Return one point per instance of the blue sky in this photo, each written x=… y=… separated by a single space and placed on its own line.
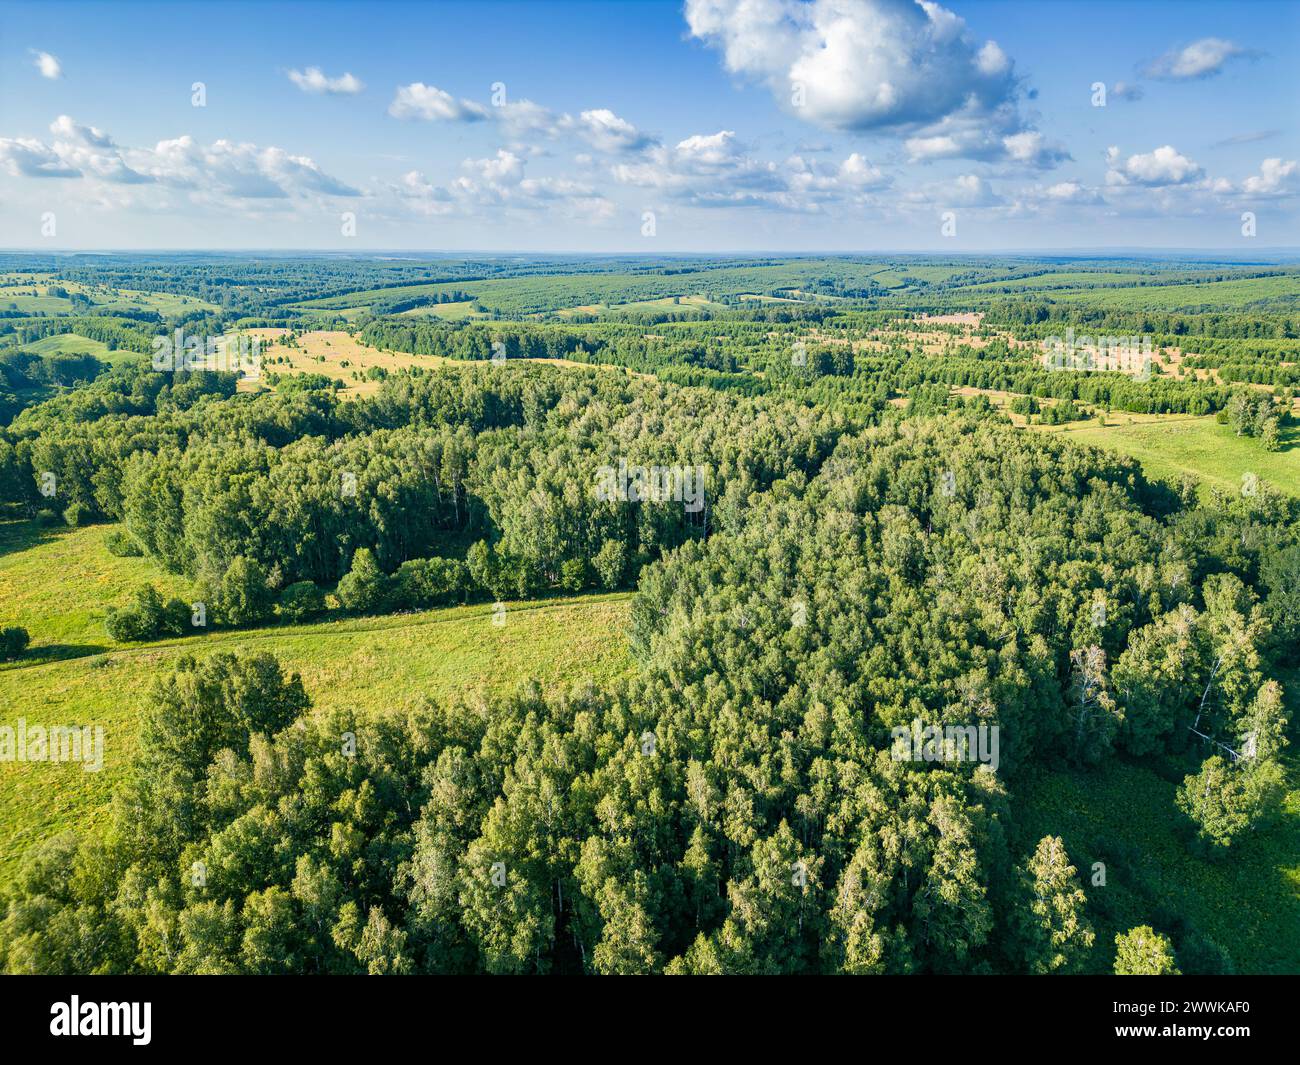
x=710 y=125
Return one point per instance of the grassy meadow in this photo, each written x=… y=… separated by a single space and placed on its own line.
x=58 y=583
x=1171 y=445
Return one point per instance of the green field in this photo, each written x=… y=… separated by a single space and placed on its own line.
x=451 y=312
x=68 y=344
x=58 y=583
x=1280 y=292
x=1174 y=444
x=17 y=295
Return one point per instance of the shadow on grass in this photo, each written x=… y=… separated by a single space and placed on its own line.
x=23 y=534
x=54 y=652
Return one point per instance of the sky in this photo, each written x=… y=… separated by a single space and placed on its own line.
x=651 y=126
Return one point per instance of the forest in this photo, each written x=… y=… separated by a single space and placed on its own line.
x=895 y=542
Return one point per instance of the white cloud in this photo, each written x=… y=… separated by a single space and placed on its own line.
x=606 y=132
x=65 y=126
x=314 y=80
x=224 y=170
x=717 y=170
x=971 y=190
x=26 y=157
x=922 y=149
x=858 y=172
x=861 y=64
x=1164 y=166
x=48 y=65
x=1071 y=192
x=1271 y=179
x=1127 y=90
x=418 y=100
x=1200 y=59
x=1028 y=147
x=501 y=181
x=598 y=127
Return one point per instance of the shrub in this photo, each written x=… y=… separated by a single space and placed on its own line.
x=77 y=514
x=301 y=600
x=364 y=588
x=424 y=582
x=122 y=544
x=147 y=617
x=13 y=642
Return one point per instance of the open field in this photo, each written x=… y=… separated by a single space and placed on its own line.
x=68 y=344
x=334 y=353
x=1170 y=445
x=33 y=296
x=61 y=584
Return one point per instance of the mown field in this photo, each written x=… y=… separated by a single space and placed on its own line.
x=58 y=583
x=1170 y=445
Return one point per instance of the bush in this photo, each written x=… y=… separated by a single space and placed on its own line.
x=425 y=582
x=573 y=574
x=301 y=600
x=147 y=617
x=13 y=642
x=611 y=563
x=365 y=588
x=122 y=544
x=77 y=514
x=244 y=596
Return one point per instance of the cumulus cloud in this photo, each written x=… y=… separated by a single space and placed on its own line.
x=712 y=169
x=718 y=170
x=902 y=67
x=1200 y=59
x=1164 y=166
x=501 y=181
x=1028 y=147
x=1271 y=179
x=857 y=172
x=27 y=157
x=857 y=64
x=427 y=102
x=222 y=170
x=606 y=132
x=599 y=127
x=314 y=80
x=48 y=65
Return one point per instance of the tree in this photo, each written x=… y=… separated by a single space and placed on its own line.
x=1053 y=932
x=611 y=563
x=1226 y=799
x=244 y=596
x=1143 y=951
x=365 y=587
